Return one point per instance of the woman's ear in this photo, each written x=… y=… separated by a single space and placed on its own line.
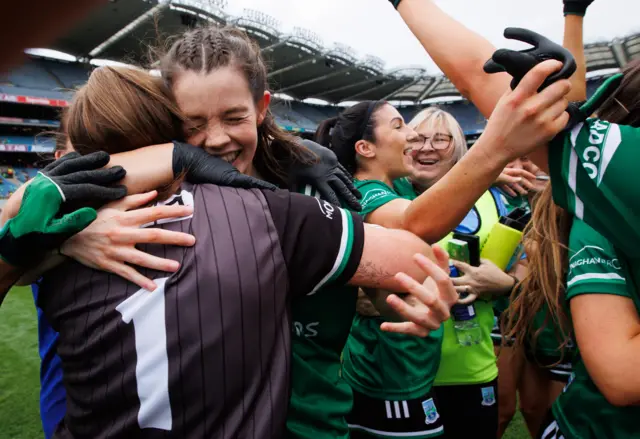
x=262 y=106
x=365 y=149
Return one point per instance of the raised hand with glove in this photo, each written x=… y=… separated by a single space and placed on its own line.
x=519 y=63
x=38 y=228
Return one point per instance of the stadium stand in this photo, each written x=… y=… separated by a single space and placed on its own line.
x=301 y=67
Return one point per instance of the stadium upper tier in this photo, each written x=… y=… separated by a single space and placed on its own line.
x=301 y=65
x=45 y=83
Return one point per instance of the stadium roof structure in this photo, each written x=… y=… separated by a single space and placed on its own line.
x=301 y=65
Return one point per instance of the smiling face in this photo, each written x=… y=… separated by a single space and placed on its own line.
x=221 y=114
x=429 y=164
x=392 y=139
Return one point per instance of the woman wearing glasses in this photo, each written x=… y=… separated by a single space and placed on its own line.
x=392 y=375
x=466 y=382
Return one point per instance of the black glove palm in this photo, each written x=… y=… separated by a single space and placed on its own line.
x=518 y=63
x=201 y=167
x=328 y=176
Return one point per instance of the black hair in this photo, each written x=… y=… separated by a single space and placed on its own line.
x=341 y=133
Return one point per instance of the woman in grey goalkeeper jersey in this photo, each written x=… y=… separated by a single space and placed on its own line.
x=299 y=230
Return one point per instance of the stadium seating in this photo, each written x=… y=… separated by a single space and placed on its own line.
x=31 y=75
x=47 y=75
x=70 y=75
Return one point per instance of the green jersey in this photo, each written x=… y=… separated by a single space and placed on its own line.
x=467 y=364
x=546 y=340
x=582 y=411
x=593 y=172
x=380 y=364
x=320 y=397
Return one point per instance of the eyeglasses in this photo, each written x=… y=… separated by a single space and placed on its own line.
x=438 y=141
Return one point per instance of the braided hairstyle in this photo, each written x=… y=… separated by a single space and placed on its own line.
x=205 y=49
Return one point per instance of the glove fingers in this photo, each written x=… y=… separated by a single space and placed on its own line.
x=103 y=176
x=89 y=191
x=77 y=163
x=346 y=195
x=491 y=67
x=517 y=64
x=248 y=182
x=569 y=67
x=73 y=222
x=326 y=193
x=524 y=35
x=70 y=156
x=348 y=182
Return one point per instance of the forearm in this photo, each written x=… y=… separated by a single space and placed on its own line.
x=12 y=206
x=9 y=275
x=618 y=379
x=432 y=219
x=458 y=51
x=147 y=168
x=387 y=252
x=574 y=42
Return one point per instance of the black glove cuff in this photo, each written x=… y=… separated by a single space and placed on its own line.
x=177 y=163
x=575 y=8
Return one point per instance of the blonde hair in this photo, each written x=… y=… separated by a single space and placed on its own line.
x=545 y=242
x=436 y=117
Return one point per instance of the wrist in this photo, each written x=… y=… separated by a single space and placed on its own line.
x=491 y=154
x=513 y=281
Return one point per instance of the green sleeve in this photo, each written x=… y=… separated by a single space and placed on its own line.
x=594 y=175
x=404 y=188
x=594 y=267
x=375 y=194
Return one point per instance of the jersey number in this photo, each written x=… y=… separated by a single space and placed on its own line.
x=146 y=310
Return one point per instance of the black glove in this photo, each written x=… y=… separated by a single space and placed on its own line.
x=201 y=167
x=81 y=177
x=328 y=176
x=518 y=63
x=39 y=226
x=576 y=7
x=395 y=3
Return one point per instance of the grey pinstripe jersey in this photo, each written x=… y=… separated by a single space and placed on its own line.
x=207 y=354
